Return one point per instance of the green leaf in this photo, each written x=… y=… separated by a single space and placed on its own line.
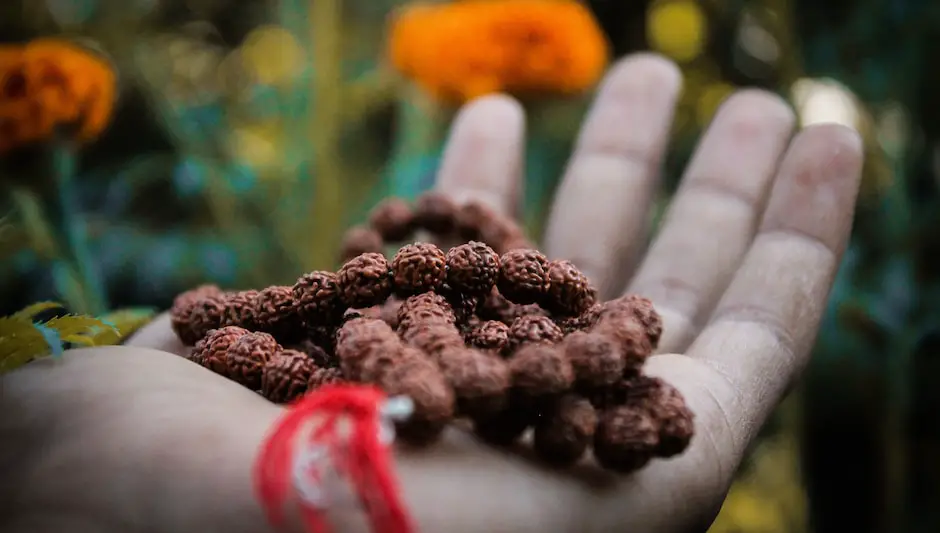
x=29 y=312
x=79 y=328
x=20 y=343
x=127 y=321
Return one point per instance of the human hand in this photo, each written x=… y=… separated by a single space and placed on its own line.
x=136 y=439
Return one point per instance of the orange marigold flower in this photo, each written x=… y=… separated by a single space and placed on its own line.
x=47 y=84
x=458 y=51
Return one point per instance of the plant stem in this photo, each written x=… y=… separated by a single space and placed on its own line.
x=69 y=227
x=325 y=21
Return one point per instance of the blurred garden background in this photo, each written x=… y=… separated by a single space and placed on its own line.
x=233 y=141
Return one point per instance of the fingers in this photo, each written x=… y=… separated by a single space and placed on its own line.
x=484 y=155
x=714 y=214
x=762 y=330
x=608 y=187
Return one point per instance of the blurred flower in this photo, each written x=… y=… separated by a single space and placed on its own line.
x=273 y=55
x=48 y=84
x=462 y=50
x=677 y=29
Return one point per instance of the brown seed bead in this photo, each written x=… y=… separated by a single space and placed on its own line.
x=324 y=337
x=276 y=313
x=418 y=268
x=597 y=359
x=416 y=376
x=393 y=219
x=240 y=309
x=197 y=293
x=389 y=311
x=676 y=422
x=205 y=314
x=359 y=342
x=364 y=281
x=285 y=376
x=530 y=329
x=508 y=425
x=541 y=369
x=181 y=312
x=248 y=355
x=523 y=276
x=470 y=218
x=640 y=308
x=626 y=438
x=315 y=352
x=633 y=340
x=435 y=212
x=472 y=268
x=562 y=437
x=569 y=291
x=316 y=297
x=490 y=335
x=210 y=350
x=480 y=380
x=503 y=235
x=324 y=376
x=434 y=338
x=582 y=322
x=428 y=299
x=496 y=307
x=360 y=240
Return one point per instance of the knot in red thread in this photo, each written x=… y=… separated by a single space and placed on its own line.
x=341 y=429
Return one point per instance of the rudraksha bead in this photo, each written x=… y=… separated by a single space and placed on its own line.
x=360 y=240
x=667 y=405
x=529 y=329
x=246 y=358
x=204 y=314
x=361 y=340
x=641 y=309
x=541 y=369
x=433 y=338
x=480 y=380
x=582 y=322
x=210 y=351
x=435 y=212
x=491 y=336
x=418 y=268
x=523 y=276
x=569 y=291
x=414 y=375
x=597 y=359
x=276 y=313
x=365 y=281
x=507 y=426
x=324 y=376
x=393 y=219
x=285 y=376
x=470 y=217
x=632 y=337
x=240 y=309
x=566 y=431
x=472 y=268
x=317 y=298
x=626 y=438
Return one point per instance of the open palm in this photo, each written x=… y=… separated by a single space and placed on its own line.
x=740 y=270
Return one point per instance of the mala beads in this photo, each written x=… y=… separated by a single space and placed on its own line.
x=509 y=340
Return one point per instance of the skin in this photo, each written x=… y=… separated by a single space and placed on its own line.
x=136 y=439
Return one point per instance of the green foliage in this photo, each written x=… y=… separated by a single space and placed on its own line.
x=23 y=338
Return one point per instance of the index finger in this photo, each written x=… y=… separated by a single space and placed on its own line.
x=761 y=332
x=483 y=157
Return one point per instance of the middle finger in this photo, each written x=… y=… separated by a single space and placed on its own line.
x=714 y=215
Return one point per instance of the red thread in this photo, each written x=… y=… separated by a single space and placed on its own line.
x=361 y=457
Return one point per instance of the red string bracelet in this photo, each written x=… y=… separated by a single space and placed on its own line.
x=338 y=432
